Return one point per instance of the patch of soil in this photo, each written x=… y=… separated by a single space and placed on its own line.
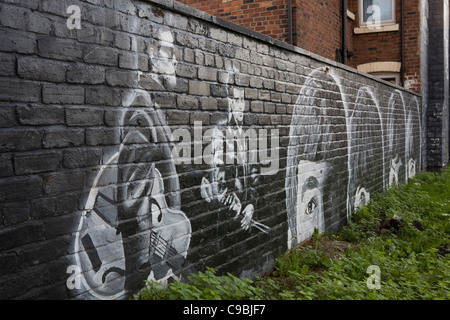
x=332 y=248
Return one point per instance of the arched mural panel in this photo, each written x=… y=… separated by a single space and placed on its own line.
x=366 y=141
x=395 y=151
x=317 y=151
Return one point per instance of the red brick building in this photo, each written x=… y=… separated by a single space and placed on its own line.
x=382 y=36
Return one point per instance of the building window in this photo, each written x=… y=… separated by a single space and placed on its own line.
x=376 y=13
x=386 y=70
x=391 y=77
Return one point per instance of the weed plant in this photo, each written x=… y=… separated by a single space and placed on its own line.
x=404 y=231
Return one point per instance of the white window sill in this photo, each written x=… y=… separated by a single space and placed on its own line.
x=363 y=30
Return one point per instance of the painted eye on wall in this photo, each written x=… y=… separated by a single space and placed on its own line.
x=311 y=206
x=363 y=198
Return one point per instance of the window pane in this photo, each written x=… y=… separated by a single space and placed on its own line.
x=391 y=80
x=380 y=8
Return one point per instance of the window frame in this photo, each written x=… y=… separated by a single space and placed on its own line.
x=385 y=75
x=392 y=21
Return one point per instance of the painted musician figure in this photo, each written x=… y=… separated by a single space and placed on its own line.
x=233 y=188
x=132 y=228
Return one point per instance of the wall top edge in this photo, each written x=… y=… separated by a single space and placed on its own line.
x=198 y=14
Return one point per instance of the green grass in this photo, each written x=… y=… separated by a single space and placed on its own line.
x=404 y=231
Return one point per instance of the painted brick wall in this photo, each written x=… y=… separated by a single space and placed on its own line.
x=122 y=151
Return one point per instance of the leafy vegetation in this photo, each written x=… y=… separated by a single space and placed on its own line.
x=404 y=231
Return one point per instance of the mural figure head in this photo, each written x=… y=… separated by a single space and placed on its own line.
x=413 y=143
x=318 y=127
x=232 y=188
x=311 y=177
x=366 y=143
x=395 y=130
x=162 y=58
x=236 y=107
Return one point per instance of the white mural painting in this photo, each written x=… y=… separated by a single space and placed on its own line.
x=413 y=141
x=311 y=177
x=318 y=122
x=395 y=130
x=234 y=187
x=132 y=227
x=366 y=144
x=390 y=144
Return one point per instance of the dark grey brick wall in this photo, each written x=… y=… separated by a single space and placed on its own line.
x=111 y=161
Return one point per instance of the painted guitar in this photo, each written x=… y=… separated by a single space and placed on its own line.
x=128 y=232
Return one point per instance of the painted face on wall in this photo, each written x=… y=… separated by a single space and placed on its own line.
x=164 y=61
x=218 y=148
x=311 y=178
x=411 y=168
x=233 y=188
x=362 y=197
x=396 y=134
x=318 y=125
x=365 y=132
x=237 y=106
x=413 y=138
